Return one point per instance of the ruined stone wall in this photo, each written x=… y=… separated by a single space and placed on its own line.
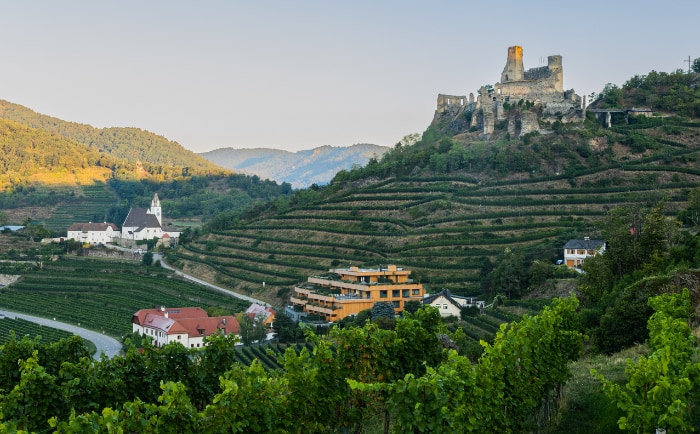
x=449 y=101
x=542 y=86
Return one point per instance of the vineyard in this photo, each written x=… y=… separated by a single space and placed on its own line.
x=90 y=204
x=23 y=327
x=444 y=227
x=103 y=295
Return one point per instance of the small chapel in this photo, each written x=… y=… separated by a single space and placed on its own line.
x=147 y=223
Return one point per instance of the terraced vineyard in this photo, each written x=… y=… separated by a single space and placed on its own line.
x=103 y=295
x=23 y=327
x=445 y=227
x=89 y=205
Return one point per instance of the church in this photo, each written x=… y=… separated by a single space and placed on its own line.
x=147 y=223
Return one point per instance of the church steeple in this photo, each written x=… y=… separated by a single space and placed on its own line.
x=155 y=208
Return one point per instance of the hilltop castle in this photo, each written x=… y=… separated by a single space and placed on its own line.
x=539 y=90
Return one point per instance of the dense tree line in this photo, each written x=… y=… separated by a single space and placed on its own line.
x=647 y=254
x=401 y=378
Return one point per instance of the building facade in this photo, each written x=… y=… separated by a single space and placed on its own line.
x=348 y=291
x=185 y=325
x=576 y=251
x=93 y=233
x=147 y=223
x=451 y=305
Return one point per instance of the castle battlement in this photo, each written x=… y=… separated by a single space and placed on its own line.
x=542 y=87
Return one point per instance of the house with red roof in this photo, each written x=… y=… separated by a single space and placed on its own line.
x=185 y=325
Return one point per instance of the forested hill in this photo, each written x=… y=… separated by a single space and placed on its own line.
x=466 y=213
x=129 y=144
x=30 y=155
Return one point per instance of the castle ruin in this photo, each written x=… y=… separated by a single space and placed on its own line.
x=538 y=93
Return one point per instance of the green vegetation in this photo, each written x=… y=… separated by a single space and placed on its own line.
x=103 y=295
x=21 y=327
x=401 y=379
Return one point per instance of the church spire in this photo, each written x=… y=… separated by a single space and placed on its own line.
x=155 y=208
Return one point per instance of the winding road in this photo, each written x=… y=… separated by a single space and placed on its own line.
x=105 y=344
x=108 y=345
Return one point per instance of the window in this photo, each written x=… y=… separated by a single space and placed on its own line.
x=405 y=293
x=415 y=291
x=444 y=306
x=382 y=294
x=395 y=293
x=396 y=304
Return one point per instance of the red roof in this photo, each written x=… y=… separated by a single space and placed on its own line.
x=191 y=320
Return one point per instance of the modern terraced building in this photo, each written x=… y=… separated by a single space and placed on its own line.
x=347 y=291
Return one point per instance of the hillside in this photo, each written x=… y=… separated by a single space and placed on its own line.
x=301 y=169
x=128 y=144
x=457 y=208
x=57 y=173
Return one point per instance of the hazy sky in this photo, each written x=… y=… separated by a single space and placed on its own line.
x=300 y=74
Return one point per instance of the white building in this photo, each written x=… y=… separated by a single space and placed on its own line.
x=146 y=223
x=185 y=325
x=576 y=251
x=451 y=305
x=93 y=233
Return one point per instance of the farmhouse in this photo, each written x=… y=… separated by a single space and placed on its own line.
x=576 y=251
x=93 y=233
x=451 y=305
x=347 y=291
x=146 y=223
x=185 y=325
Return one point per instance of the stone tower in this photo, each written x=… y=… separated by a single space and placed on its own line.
x=514 y=70
x=155 y=208
x=557 y=71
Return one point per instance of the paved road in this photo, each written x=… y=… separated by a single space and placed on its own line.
x=105 y=344
x=159 y=257
x=110 y=346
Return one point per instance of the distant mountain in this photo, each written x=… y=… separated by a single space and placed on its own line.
x=132 y=145
x=302 y=168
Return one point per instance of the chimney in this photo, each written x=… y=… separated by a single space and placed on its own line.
x=586 y=238
x=166 y=314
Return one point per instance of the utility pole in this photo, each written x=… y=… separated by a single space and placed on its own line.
x=689 y=64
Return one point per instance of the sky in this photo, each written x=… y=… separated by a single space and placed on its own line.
x=301 y=74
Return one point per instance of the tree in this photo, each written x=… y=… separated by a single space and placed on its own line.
x=412 y=306
x=147 y=259
x=695 y=67
x=252 y=328
x=382 y=309
x=659 y=388
x=510 y=275
x=286 y=329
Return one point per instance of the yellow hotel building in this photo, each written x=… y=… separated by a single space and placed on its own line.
x=347 y=291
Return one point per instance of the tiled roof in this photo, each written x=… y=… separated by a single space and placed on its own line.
x=190 y=320
x=140 y=219
x=444 y=293
x=258 y=309
x=92 y=227
x=584 y=244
